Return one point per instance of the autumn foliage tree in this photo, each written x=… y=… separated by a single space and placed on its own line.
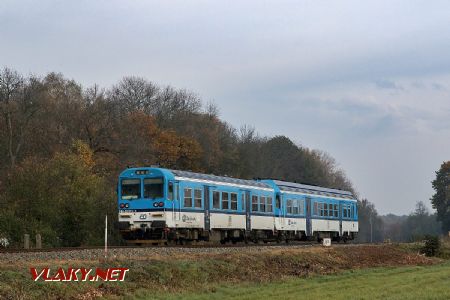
x=60 y=198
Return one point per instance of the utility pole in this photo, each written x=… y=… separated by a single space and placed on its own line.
x=371 y=229
x=106 y=236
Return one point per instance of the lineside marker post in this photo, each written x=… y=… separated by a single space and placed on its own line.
x=26 y=241
x=106 y=236
x=38 y=241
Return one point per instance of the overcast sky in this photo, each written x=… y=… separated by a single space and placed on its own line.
x=366 y=81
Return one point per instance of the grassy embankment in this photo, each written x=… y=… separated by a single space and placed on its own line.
x=250 y=272
x=420 y=282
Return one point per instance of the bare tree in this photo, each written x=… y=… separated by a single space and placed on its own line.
x=247 y=134
x=17 y=106
x=212 y=110
x=134 y=93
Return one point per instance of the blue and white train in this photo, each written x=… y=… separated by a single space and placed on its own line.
x=157 y=204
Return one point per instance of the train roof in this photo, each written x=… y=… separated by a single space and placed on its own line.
x=221 y=179
x=266 y=184
x=311 y=189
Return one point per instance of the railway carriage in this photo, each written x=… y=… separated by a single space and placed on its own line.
x=157 y=204
x=316 y=211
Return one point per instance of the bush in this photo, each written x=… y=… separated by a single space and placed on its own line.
x=61 y=198
x=432 y=246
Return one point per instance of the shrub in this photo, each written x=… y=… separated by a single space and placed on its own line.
x=432 y=245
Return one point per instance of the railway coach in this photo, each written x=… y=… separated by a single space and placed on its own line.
x=173 y=206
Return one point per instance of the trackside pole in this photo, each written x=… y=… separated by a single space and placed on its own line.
x=106 y=236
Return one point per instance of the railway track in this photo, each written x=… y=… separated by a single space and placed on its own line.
x=150 y=246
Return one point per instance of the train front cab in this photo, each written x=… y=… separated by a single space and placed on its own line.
x=143 y=195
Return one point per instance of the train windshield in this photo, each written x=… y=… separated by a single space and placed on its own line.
x=131 y=189
x=153 y=187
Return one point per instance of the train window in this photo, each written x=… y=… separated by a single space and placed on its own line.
x=295 y=207
x=315 y=209
x=170 y=191
x=198 y=198
x=269 y=206
x=301 y=207
x=289 y=206
x=187 y=197
x=233 y=201
x=216 y=199
x=153 y=187
x=325 y=210
x=344 y=211
x=254 y=203
x=262 y=203
x=131 y=189
x=321 y=209
x=336 y=210
x=225 y=203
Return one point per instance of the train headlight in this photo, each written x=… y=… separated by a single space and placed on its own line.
x=143 y=217
x=127 y=205
x=161 y=204
x=122 y=205
x=155 y=204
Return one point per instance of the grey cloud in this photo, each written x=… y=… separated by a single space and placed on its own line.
x=437 y=86
x=433 y=85
x=387 y=84
x=418 y=85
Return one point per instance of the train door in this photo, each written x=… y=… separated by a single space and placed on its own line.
x=207 y=206
x=246 y=206
x=340 y=218
x=308 y=217
x=176 y=207
x=278 y=209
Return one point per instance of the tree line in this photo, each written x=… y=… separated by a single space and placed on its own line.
x=63 y=145
x=405 y=228
x=415 y=226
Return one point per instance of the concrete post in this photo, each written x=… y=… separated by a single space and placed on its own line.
x=38 y=241
x=26 y=241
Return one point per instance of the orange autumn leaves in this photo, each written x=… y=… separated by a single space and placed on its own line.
x=165 y=147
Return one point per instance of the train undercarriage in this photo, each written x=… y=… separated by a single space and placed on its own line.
x=159 y=234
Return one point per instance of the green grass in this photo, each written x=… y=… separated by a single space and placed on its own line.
x=290 y=274
x=430 y=282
